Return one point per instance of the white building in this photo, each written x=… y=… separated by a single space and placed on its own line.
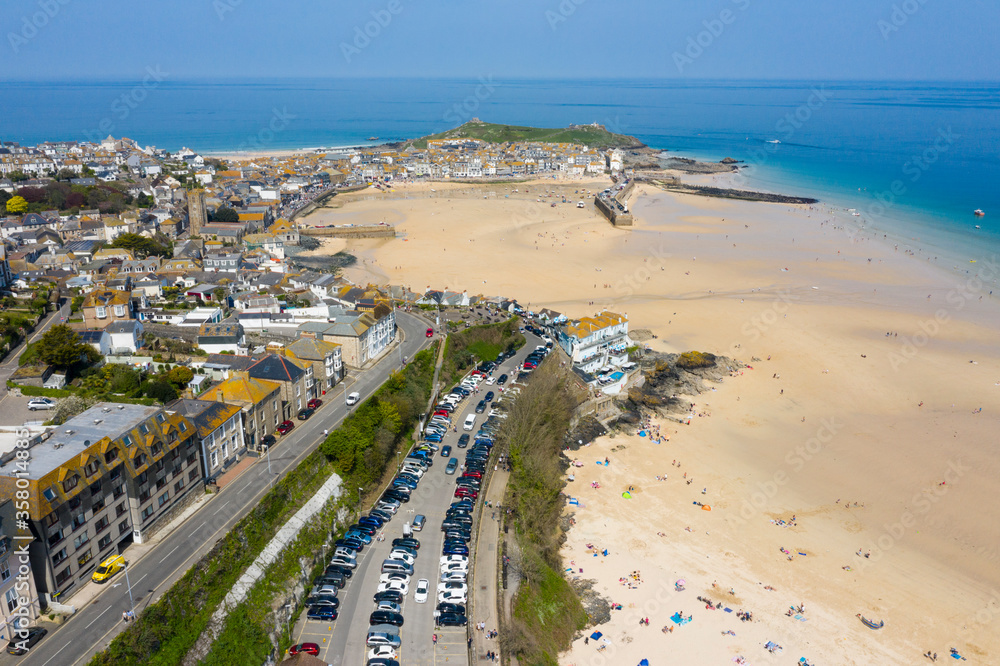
x=595 y=342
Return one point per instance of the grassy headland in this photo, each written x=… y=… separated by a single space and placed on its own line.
x=595 y=136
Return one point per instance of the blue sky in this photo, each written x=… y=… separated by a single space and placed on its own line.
x=739 y=39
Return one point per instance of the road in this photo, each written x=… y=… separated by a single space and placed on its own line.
x=342 y=643
x=10 y=362
x=91 y=629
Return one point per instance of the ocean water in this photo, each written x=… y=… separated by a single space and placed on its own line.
x=914 y=158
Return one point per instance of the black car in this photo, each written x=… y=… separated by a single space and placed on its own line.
x=463 y=441
x=481 y=407
x=324 y=613
x=409 y=542
x=356 y=544
x=323 y=600
x=502 y=379
x=337 y=580
x=457 y=537
x=451 y=620
x=21 y=644
x=489 y=396
x=385 y=516
x=393 y=494
x=451 y=608
x=268 y=440
x=386 y=617
x=445 y=451
x=366 y=529
x=379 y=661
x=389 y=595
x=305 y=413
x=337 y=570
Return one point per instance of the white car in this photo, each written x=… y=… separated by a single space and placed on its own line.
x=353 y=398
x=420 y=594
x=401 y=586
x=447 y=559
x=455 y=567
x=41 y=403
x=389 y=577
x=491 y=381
x=415 y=470
x=451 y=597
x=470 y=422
x=461 y=588
x=382 y=652
x=454 y=576
x=390 y=606
x=402 y=556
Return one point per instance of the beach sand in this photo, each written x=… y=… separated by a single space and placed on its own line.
x=832 y=409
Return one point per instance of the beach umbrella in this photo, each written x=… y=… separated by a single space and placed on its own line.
x=681 y=581
x=644 y=662
x=596 y=635
x=627 y=495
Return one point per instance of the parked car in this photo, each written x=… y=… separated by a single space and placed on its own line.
x=445 y=451
x=41 y=403
x=308 y=648
x=108 y=568
x=22 y=644
x=353 y=398
x=418 y=522
x=463 y=441
x=408 y=542
x=314 y=403
x=452 y=620
x=452 y=466
x=305 y=413
x=429 y=333
x=389 y=595
x=386 y=617
x=285 y=427
x=420 y=594
x=322 y=613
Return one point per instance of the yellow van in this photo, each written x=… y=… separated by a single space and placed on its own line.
x=109 y=568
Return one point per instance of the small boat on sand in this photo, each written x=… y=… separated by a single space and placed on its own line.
x=871 y=624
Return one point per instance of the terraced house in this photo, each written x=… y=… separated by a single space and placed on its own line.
x=259 y=400
x=101 y=481
x=327 y=363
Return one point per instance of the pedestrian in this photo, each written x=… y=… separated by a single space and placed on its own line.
x=470 y=642
x=125 y=617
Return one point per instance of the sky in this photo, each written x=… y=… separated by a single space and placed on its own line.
x=715 y=39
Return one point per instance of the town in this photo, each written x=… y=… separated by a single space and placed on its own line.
x=171 y=328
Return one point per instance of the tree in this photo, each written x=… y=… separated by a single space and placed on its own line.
x=140 y=245
x=225 y=214
x=180 y=376
x=60 y=346
x=161 y=391
x=17 y=176
x=65 y=174
x=17 y=205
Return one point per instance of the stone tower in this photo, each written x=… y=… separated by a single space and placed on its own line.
x=197 y=215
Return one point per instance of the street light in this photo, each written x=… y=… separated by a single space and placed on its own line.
x=131 y=601
x=288 y=617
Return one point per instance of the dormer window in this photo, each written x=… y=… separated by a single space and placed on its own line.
x=92 y=468
x=139 y=460
x=70 y=483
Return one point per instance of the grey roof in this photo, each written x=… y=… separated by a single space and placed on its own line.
x=123 y=326
x=276 y=368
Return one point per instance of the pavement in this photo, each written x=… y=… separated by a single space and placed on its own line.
x=343 y=642
x=152 y=570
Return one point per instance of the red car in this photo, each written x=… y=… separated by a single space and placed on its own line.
x=285 y=427
x=465 y=492
x=430 y=332
x=474 y=474
x=308 y=648
x=529 y=366
x=314 y=403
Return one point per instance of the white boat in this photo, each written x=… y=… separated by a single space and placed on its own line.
x=773 y=141
x=978 y=212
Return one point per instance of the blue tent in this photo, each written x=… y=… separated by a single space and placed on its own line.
x=596 y=635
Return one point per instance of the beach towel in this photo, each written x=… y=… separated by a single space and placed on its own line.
x=801 y=553
x=605 y=553
x=955 y=655
x=800 y=618
x=574 y=501
x=676 y=617
x=642 y=433
x=728 y=610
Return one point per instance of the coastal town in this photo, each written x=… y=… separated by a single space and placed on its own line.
x=179 y=273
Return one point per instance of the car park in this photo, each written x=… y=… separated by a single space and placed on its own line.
x=285 y=427
x=381 y=652
x=454 y=577
x=408 y=542
x=305 y=413
x=389 y=595
x=445 y=451
x=481 y=407
x=470 y=422
x=400 y=586
x=391 y=606
x=420 y=594
x=418 y=522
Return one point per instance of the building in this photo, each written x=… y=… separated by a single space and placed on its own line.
x=14 y=588
x=197 y=215
x=220 y=432
x=126 y=336
x=259 y=400
x=102 y=480
x=296 y=381
x=595 y=342
x=215 y=338
x=363 y=336
x=326 y=359
x=102 y=307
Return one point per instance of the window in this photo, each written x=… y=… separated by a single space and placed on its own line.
x=59 y=557
x=144 y=496
x=116 y=472
x=4 y=570
x=139 y=460
x=160 y=483
x=95 y=488
x=55 y=537
x=83 y=538
x=175 y=454
x=79 y=520
x=63 y=575
x=162 y=499
x=120 y=509
x=159 y=465
x=191 y=458
x=178 y=487
x=52 y=519
x=147 y=512
x=119 y=490
x=75 y=503
x=183 y=427
x=98 y=505
x=225 y=451
x=92 y=468
x=70 y=483
x=192 y=475
x=11 y=597
x=123 y=527
x=101 y=524
x=215 y=459
x=111 y=456
x=102 y=312
x=143 y=428
x=157 y=449
x=119 y=310
x=127 y=440
x=104 y=542
x=84 y=558
x=160 y=418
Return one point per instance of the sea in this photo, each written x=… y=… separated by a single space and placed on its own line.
x=913 y=159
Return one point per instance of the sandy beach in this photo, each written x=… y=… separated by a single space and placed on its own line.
x=872 y=378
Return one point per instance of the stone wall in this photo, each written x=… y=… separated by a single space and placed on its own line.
x=373 y=231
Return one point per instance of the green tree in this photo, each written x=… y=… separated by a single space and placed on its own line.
x=18 y=176
x=60 y=346
x=17 y=205
x=140 y=245
x=180 y=376
x=225 y=214
x=161 y=391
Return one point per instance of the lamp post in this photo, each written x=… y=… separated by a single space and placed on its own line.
x=131 y=601
x=288 y=617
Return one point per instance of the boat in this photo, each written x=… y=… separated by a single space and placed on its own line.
x=871 y=623
x=373 y=138
x=774 y=141
x=979 y=212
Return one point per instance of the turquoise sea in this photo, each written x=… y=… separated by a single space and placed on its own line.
x=914 y=158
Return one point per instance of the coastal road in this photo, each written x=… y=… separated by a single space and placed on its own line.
x=342 y=643
x=91 y=628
